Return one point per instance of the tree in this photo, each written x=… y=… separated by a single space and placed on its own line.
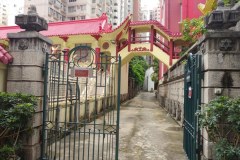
x=155 y=66
x=137 y=68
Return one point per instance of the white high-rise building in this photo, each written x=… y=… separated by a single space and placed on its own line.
x=126 y=8
x=3 y=13
x=8 y=11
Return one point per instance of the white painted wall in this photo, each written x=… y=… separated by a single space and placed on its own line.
x=148 y=83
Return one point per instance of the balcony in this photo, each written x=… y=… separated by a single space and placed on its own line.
x=57 y=4
x=99 y=4
x=50 y=1
x=108 y=3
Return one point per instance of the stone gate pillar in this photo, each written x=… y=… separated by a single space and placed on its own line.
x=220 y=48
x=26 y=75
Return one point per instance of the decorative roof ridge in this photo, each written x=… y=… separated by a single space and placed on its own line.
x=126 y=19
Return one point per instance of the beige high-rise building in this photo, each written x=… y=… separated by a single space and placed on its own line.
x=51 y=10
x=61 y=10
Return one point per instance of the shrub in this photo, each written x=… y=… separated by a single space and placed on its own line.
x=222 y=121
x=15 y=111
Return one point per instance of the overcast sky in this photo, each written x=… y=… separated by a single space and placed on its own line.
x=150 y=3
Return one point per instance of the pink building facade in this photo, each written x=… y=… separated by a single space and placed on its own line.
x=172 y=13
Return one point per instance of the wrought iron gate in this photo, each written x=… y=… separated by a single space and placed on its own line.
x=81 y=106
x=192 y=100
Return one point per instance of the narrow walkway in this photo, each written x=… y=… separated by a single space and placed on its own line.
x=147 y=132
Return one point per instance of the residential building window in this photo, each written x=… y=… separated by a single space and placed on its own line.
x=72 y=0
x=71 y=9
x=82 y=17
x=72 y=18
x=93 y=10
x=82 y=7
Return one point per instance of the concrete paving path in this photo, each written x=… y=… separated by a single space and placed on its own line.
x=147 y=132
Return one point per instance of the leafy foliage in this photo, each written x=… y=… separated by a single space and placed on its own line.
x=154 y=75
x=222 y=122
x=15 y=111
x=228 y=2
x=193 y=29
x=137 y=68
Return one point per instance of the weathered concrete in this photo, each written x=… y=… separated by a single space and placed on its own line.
x=147 y=132
x=25 y=75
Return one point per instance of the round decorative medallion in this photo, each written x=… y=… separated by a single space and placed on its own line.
x=105 y=45
x=44 y=47
x=23 y=44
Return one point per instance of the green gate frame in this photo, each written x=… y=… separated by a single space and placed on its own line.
x=55 y=132
x=192 y=102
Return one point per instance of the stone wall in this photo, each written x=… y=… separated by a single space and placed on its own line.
x=3 y=77
x=220 y=52
x=221 y=71
x=170 y=91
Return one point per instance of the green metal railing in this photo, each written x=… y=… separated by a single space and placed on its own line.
x=192 y=100
x=81 y=115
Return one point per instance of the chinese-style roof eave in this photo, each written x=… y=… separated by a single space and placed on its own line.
x=120 y=30
x=5 y=57
x=93 y=26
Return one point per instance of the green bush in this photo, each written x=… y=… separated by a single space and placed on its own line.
x=137 y=68
x=221 y=119
x=15 y=111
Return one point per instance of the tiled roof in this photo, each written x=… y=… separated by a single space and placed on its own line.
x=5 y=57
x=159 y=25
x=88 y=26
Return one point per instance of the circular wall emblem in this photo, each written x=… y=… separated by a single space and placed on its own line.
x=23 y=44
x=105 y=45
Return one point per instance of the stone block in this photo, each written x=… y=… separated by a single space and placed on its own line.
x=214 y=78
x=32 y=138
x=39 y=106
x=36 y=120
x=208 y=149
x=178 y=112
x=28 y=58
x=32 y=152
x=31 y=73
x=208 y=93
x=218 y=60
x=34 y=88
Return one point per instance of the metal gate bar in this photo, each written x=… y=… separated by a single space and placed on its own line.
x=81 y=115
x=192 y=100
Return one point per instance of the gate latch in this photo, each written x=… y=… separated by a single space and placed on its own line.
x=190 y=92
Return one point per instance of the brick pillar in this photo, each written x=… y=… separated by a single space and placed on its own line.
x=25 y=75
